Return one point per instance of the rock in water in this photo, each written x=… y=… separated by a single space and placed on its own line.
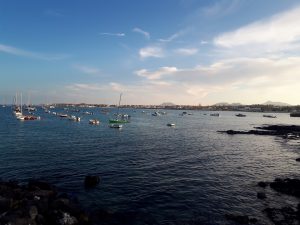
x=262 y=184
x=91 y=181
x=261 y=195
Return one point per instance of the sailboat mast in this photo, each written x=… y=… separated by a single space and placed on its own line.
x=21 y=104
x=119 y=103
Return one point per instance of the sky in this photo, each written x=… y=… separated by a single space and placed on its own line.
x=188 y=52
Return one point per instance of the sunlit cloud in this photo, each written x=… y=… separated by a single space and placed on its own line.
x=24 y=53
x=156 y=74
x=112 y=34
x=140 y=31
x=279 y=33
x=151 y=51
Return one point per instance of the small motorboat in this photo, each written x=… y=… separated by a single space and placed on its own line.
x=171 y=124
x=269 y=116
x=94 y=122
x=115 y=125
x=214 y=114
x=240 y=115
x=63 y=115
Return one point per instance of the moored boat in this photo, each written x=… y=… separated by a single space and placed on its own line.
x=240 y=115
x=214 y=114
x=171 y=124
x=295 y=114
x=269 y=116
x=115 y=125
x=94 y=122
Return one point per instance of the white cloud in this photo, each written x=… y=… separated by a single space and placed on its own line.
x=278 y=33
x=187 y=51
x=156 y=74
x=220 y=8
x=151 y=51
x=174 y=36
x=112 y=34
x=54 y=13
x=140 y=31
x=20 y=52
x=87 y=69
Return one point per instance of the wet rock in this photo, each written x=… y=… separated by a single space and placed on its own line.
x=5 y=204
x=39 y=185
x=33 y=212
x=91 y=181
x=282 y=216
x=298 y=159
x=261 y=195
x=262 y=184
x=67 y=219
x=40 y=219
x=287 y=186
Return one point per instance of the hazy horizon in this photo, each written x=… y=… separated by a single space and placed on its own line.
x=183 y=51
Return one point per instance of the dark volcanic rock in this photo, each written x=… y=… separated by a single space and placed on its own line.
x=91 y=181
x=285 y=131
x=282 y=216
x=287 y=186
x=262 y=184
x=240 y=219
x=37 y=203
x=261 y=195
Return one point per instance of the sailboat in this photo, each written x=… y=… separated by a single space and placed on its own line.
x=119 y=118
x=19 y=114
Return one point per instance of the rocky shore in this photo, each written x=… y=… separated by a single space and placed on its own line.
x=286 y=215
x=38 y=202
x=284 y=131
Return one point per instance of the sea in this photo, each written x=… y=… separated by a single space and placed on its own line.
x=186 y=174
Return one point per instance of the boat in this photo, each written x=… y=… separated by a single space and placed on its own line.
x=214 y=114
x=240 y=115
x=94 y=122
x=88 y=113
x=295 y=114
x=156 y=114
x=74 y=118
x=171 y=124
x=115 y=125
x=31 y=117
x=62 y=115
x=119 y=118
x=269 y=116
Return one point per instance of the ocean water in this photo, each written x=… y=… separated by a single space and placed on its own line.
x=187 y=174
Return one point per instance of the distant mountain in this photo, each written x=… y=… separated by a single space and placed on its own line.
x=227 y=104
x=167 y=104
x=276 y=103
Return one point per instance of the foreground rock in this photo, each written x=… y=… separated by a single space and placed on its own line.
x=38 y=203
x=241 y=219
x=287 y=186
x=282 y=216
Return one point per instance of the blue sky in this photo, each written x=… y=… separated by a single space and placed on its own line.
x=181 y=51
